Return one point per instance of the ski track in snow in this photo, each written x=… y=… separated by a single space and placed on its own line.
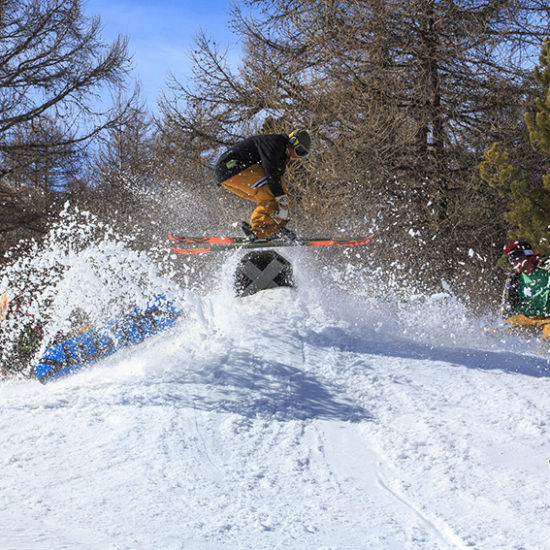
x=271 y=422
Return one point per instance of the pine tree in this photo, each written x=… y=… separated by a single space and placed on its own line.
x=538 y=122
x=527 y=193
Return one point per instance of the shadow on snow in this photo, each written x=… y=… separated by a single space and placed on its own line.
x=471 y=358
x=253 y=387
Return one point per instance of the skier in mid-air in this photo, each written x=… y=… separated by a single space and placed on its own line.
x=253 y=169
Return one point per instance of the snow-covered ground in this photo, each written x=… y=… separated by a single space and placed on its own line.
x=292 y=419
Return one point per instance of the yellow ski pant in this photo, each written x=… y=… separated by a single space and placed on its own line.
x=251 y=184
x=531 y=321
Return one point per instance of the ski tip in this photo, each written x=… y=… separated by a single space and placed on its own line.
x=204 y=240
x=190 y=250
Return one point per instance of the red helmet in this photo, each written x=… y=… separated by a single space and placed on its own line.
x=521 y=251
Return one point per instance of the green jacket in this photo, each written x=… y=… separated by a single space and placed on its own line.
x=533 y=292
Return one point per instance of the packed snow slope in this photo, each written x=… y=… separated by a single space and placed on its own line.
x=306 y=418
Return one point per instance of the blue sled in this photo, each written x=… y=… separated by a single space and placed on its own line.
x=87 y=348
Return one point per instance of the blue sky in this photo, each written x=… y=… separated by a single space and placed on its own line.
x=161 y=34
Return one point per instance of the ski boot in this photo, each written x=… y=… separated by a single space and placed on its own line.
x=283 y=234
x=247 y=230
x=286 y=234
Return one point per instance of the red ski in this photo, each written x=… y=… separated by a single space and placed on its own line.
x=200 y=245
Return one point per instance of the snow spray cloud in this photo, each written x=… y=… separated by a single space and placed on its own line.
x=82 y=273
x=370 y=298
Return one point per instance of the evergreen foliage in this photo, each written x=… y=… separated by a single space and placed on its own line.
x=538 y=122
x=527 y=192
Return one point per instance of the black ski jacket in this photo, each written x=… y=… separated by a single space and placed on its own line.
x=269 y=150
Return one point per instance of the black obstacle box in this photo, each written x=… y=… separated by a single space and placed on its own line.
x=262 y=270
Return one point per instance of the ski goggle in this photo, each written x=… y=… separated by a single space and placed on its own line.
x=299 y=149
x=519 y=255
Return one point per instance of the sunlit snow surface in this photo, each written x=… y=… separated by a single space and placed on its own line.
x=337 y=415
